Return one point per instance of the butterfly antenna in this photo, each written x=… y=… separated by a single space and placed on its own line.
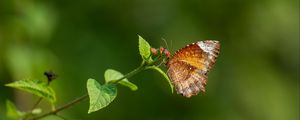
x=165 y=41
x=171 y=44
x=162 y=62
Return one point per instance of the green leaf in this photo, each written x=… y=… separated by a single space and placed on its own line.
x=162 y=73
x=35 y=87
x=12 y=111
x=144 y=49
x=100 y=95
x=111 y=75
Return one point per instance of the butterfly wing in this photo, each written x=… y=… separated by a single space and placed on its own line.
x=189 y=66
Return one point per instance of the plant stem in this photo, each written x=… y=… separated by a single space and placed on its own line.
x=162 y=73
x=77 y=100
x=128 y=75
x=37 y=103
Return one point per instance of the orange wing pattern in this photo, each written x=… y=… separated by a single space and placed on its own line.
x=189 y=66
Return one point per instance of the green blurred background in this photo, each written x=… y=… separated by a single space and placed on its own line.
x=256 y=76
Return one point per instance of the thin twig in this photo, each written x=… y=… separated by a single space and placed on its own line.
x=61 y=117
x=128 y=75
x=61 y=108
x=37 y=103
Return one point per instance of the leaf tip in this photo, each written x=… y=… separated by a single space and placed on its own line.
x=134 y=88
x=8 y=85
x=90 y=80
x=89 y=112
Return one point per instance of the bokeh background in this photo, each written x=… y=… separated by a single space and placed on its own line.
x=256 y=76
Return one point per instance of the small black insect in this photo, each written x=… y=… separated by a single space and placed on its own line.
x=50 y=75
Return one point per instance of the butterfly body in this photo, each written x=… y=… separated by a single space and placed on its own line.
x=189 y=66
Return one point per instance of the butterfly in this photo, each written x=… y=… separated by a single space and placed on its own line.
x=189 y=66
